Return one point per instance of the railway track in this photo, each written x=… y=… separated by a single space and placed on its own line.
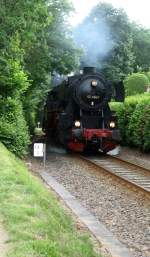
x=131 y=173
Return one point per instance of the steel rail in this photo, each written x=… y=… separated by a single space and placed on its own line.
x=129 y=175
x=130 y=163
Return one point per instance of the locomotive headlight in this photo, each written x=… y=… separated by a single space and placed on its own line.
x=112 y=124
x=94 y=83
x=77 y=123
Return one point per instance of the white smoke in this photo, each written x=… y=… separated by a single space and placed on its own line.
x=95 y=39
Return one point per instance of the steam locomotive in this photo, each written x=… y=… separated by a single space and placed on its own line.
x=78 y=115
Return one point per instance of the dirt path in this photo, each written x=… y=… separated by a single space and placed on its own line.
x=3 y=239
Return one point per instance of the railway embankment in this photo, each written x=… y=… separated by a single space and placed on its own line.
x=36 y=223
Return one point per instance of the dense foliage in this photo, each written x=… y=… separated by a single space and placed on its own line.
x=141 y=47
x=134 y=121
x=34 y=42
x=13 y=128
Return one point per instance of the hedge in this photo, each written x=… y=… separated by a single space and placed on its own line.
x=13 y=128
x=148 y=75
x=134 y=121
x=135 y=83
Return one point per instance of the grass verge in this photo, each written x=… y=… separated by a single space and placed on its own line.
x=37 y=224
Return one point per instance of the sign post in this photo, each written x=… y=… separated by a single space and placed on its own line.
x=39 y=150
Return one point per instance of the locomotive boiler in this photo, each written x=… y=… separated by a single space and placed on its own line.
x=78 y=115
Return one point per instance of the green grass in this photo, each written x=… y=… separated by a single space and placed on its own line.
x=37 y=225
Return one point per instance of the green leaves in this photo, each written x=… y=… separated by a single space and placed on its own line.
x=135 y=83
x=34 y=42
x=138 y=129
x=13 y=128
x=134 y=121
x=13 y=80
x=141 y=47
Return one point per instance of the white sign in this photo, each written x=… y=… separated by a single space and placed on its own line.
x=38 y=150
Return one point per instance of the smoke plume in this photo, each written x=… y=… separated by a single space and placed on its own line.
x=94 y=38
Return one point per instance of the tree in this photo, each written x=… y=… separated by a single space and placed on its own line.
x=141 y=47
x=112 y=44
x=34 y=41
x=53 y=51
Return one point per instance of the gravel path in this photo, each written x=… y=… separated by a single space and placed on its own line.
x=124 y=212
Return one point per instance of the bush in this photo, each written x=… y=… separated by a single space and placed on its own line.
x=138 y=129
x=135 y=84
x=134 y=121
x=146 y=130
x=13 y=79
x=148 y=75
x=135 y=126
x=13 y=128
x=124 y=112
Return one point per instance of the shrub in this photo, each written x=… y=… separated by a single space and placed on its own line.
x=135 y=84
x=148 y=75
x=134 y=121
x=135 y=127
x=146 y=130
x=138 y=127
x=124 y=112
x=13 y=128
x=13 y=80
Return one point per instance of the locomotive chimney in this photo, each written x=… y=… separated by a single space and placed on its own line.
x=89 y=70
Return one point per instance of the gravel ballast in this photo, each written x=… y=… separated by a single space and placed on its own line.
x=125 y=212
x=135 y=156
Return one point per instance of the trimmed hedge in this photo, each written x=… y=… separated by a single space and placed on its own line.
x=148 y=75
x=135 y=83
x=134 y=121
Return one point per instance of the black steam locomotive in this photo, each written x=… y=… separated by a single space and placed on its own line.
x=77 y=112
